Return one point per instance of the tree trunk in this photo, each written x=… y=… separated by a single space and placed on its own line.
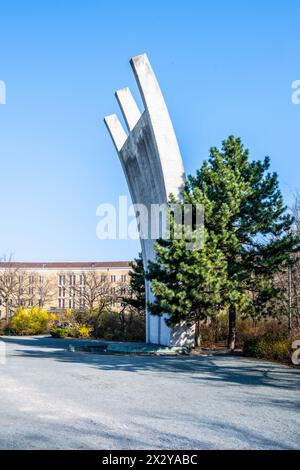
x=7 y=312
x=231 y=327
x=198 y=334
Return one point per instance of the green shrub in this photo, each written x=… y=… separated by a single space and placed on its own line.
x=269 y=346
x=59 y=332
x=79 y=331
x=4 y=327
x=215 y=330
x=83 y=331
x=111 y=327
x=107 y=325
x=29 y=321
x=75 y=331
x=135 y=330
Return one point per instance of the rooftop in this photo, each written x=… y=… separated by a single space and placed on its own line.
x=61 y=265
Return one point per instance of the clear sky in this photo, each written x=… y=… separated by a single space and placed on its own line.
x=225 y=67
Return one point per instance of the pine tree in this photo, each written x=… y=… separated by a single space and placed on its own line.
x=137 y=286
x=247 y=241
x=187 y=283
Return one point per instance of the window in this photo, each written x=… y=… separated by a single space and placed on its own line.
x=72 y=279
x=103 y=278
x=112 y=290
x=82 y=279
x=113 y=278
x=61 y=280
x=82 y=291
x=123 y=291
x=123 y=277
x=72 y=292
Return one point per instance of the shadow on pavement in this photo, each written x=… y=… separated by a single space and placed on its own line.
x=216 y=370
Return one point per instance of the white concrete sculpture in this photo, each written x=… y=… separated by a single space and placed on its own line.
x=153 y=167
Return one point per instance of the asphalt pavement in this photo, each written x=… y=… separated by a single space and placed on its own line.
x=55 y=398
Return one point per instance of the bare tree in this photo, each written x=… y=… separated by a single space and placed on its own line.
x=40 y=290
x=289 y=280
x=13 y=286
x=93 y=292
x=296 y=211
x=21 y=288
x=125 y=310
x=295 y=271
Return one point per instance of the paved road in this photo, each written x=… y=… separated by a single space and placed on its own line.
x=52 y=398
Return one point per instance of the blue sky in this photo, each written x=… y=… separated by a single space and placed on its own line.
x=224 y=68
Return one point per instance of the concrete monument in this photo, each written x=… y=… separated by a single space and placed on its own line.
x=153 y=167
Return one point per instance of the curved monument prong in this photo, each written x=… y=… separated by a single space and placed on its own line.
x=129 y=108
x=153 y=168
x=148 y=85
x=161 y=124
x=116 y=131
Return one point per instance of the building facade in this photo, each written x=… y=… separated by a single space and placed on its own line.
x=58 y=286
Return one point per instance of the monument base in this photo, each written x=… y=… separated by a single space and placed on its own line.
x=158 y=332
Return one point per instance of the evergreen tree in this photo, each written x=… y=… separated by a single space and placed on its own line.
x=187 y=283
x=137 y=286
x=247 y=241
